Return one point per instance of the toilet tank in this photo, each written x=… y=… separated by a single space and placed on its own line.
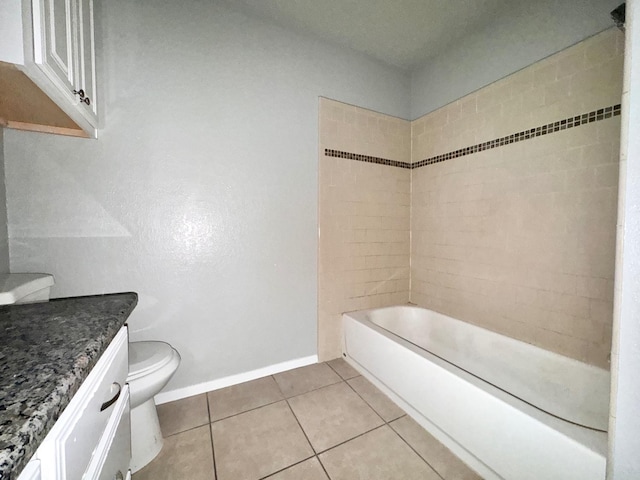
x=25 y=287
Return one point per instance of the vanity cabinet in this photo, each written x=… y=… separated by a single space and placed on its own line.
x=31 y=471
x=92 y=438
x=47 y=67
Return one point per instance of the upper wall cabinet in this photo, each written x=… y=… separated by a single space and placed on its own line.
x=47 y=67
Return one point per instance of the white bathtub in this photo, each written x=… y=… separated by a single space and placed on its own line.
x=508 y=409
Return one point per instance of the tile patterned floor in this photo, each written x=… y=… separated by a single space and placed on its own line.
x=321 y=422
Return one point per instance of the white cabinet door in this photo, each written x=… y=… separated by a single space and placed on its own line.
x=54 y=41
x=118 y=447
x=86 y=78
x=64 y=65
x=69 y=447
x=31 y=471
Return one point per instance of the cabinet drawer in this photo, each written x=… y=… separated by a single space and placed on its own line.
x=31 y=471
x=72 y=441
x=112 y=457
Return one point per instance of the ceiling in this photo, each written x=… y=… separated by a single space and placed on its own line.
x=401 y=33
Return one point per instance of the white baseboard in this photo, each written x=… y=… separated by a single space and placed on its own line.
x=184 y=392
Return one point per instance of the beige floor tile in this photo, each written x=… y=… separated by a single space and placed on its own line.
x=332 y=415
x=342 y=368
x=307 y=470
x=376 y=399
x=257 y=443
x=304 y=379
x=377 y=455
x=243 y=397
x=184 y=455
x=183 y=415
x=432 y=451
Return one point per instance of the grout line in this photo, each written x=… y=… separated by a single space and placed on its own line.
x=301 y=428
x=323 y=467
x=414 y=450
x=213 y=449
x=316 y=454
x=352 y=438
x=388 y=424
x=315 y=389
x=337 y=373
x=260 y=406
x=366 y=403
x=285 y=468
x=187 y=430
x=273 y=377
x=245 y=411
x=340 y=379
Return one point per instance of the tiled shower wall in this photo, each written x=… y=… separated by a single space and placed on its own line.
x=520 y=238
x=513 y=193
x=363 y=217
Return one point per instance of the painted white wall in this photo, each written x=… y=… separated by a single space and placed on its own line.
x=4 y=238
x=201 y=192
x=624 y=424
x=524 y=34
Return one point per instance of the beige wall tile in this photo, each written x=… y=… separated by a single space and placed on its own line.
x=521 y=239
x=364 y=218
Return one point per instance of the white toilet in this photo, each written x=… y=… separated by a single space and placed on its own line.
x=151 y=365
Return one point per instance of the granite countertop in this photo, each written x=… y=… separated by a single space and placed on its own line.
x=46 y=352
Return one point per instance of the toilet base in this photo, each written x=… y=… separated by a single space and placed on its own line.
x=146 y=437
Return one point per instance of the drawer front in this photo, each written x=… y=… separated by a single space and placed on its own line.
x=31 y=471
x=111 y=459
x=67 y=450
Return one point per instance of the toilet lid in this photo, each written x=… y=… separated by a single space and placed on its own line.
x=145 y=357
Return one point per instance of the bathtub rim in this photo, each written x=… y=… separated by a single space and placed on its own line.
x=593 y=440
x=590 y=411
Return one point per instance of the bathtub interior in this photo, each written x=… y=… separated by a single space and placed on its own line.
x=561 y=386
x=459 y=409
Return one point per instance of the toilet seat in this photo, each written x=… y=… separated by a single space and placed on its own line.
x=147 y=357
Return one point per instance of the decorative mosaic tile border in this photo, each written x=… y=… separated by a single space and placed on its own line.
x=565 y=124
x=571 y=122
x=365 y=158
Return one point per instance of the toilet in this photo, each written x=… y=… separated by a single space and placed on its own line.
x=151 y=365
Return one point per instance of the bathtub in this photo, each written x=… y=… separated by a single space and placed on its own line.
x=509 y=409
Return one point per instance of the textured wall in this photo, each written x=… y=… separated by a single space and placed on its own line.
x=201 y=192
x=521 y=238
x=363 y=253
x=521 y=35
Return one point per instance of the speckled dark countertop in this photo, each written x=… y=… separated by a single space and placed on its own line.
x=46 y=352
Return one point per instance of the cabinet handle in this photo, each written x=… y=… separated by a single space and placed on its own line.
x=79 y=92
x=85 y=100
x=119 y=475
x=108 y=403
